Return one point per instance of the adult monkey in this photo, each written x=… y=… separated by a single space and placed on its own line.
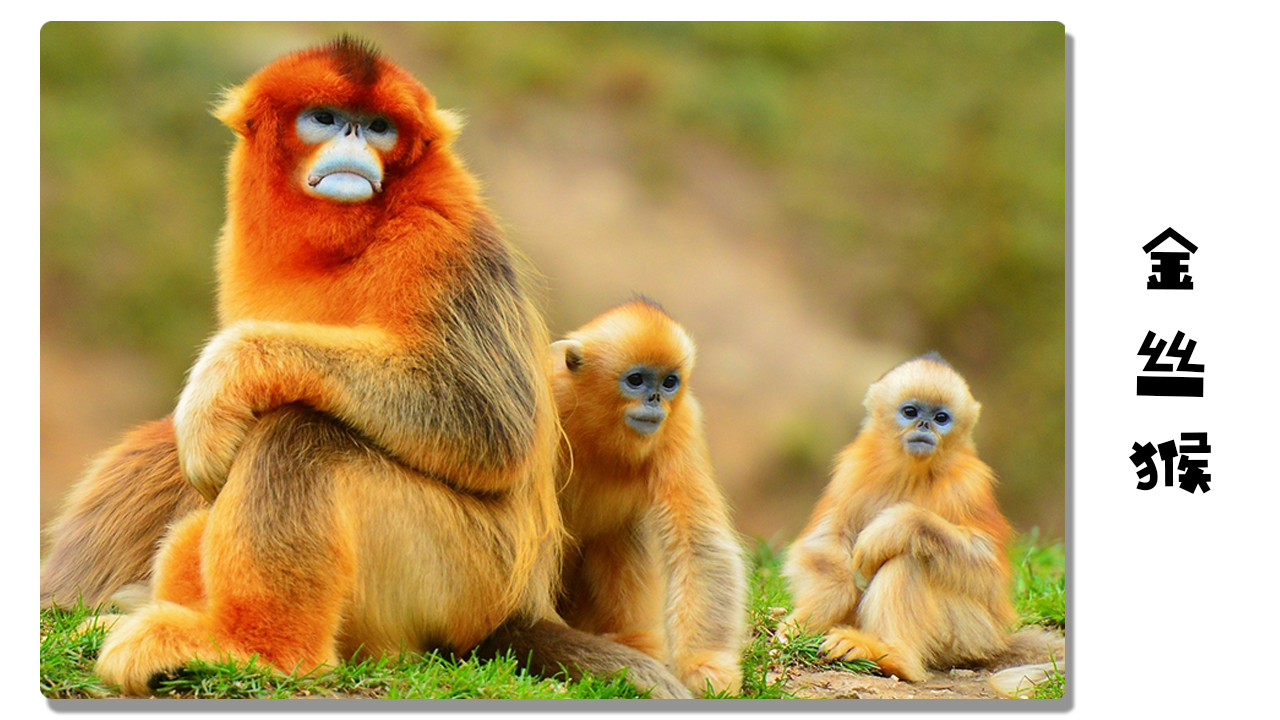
x=372 y=425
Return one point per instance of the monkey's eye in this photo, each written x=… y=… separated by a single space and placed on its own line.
x=671 y=382
x=380 y=125
x=635 y=380
x=324 y=118
x=942 y=418
x=909 y=411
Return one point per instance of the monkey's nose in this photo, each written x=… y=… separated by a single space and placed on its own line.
x=350 y=129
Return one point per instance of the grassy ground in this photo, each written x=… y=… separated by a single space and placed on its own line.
x=67 y=655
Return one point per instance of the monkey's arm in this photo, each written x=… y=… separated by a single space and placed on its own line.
x=434 y=404
x=706 y=575
x=958 y=556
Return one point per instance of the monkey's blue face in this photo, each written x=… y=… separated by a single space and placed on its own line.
x=923 y=424
x=347 y=165
x=652 y=389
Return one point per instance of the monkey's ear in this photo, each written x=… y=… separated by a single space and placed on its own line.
x=571 y=351
x=232 y=112
x=451 y=122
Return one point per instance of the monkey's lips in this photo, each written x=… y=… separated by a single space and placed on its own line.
x=346 y=182
x=920 y=443
x=645 y=422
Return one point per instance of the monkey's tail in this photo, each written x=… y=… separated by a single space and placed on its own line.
x=547 y=648
x=1030 y=656
x=106 y=537
x=1033 y=645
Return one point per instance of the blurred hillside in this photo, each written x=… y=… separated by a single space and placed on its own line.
x=815 y=202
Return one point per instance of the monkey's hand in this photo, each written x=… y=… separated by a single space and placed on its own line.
x=212 y=417
x=888 y=535
x=217 y=407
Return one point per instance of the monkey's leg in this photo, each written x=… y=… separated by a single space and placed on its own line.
x=624 y=590
x=176 y=576
x=106 y=536
x=278 y=564
x=903 y=612
x=177 y=568
x=823 y=585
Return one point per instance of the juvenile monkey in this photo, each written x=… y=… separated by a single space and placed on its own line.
x=904 y=560
x=371 y=429
x=653 y=561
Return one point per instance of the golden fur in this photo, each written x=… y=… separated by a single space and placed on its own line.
x=653 y=561
x=904 y=559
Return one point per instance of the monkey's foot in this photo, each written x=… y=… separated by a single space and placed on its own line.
x=645 y=641
x=710 y=672
x=846 y=644
x=131 y=597
x=142 y=648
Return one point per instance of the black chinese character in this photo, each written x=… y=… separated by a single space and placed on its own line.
x=1169 y=266
x=1192 y=470
x=1169 y=386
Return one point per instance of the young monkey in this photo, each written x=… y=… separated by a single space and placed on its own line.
x=651 y=540
x=904 y=561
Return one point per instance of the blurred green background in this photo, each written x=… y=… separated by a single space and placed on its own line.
x=815 y=202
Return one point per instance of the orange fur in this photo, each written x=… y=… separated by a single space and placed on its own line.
x=373 y=419
x=653 y=559
x=904 y=559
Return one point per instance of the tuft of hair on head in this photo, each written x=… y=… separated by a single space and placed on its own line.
x=642 y=299
x=932 y=356
x=354 y=59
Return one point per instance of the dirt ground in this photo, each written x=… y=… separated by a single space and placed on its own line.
x=959 y=683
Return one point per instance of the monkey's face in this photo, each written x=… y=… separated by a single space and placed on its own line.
x=324 y=131
x=922 y=406
x=649 y=391
x=923 y=425
x=348 y=146
x=621 y=378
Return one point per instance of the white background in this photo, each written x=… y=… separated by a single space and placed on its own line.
x=1174 y=123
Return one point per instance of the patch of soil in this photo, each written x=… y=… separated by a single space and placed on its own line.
x=959 y=683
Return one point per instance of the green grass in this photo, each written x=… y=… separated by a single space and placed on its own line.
x=765 y=656
x=1053 y=687
x=1039 y=581
x=67 y=654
